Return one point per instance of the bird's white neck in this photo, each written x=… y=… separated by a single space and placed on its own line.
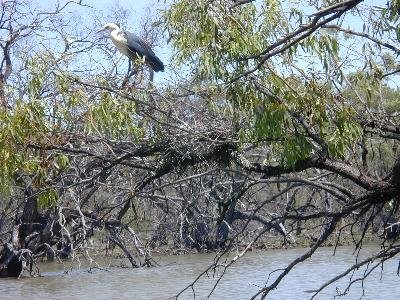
x=119 y=40
x=114 y=33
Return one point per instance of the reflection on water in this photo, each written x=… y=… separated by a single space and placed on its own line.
x=240 y=282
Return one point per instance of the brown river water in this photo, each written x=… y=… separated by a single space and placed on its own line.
x=241 y=281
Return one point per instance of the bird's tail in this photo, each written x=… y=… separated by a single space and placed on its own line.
x=156 y=64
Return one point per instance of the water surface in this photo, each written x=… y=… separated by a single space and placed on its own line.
x=241 y=281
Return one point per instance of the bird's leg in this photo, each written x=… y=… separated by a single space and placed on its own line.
x=128 y=73
x=126 y=79
x=151 y=75
x=131 y=71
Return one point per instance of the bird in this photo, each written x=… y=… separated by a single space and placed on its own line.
x=133 y=46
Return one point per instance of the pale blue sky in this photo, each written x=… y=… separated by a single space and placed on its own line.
x=136 y=7
x=101 y=13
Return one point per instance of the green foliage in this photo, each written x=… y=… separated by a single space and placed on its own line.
x=113 y=117
x=54 y=109
x=61 y=162
x=18 y=128
x=36 y=77
x=222 y=40
x=47 y=198
x=270 y=121
x=367 y=88
x=294 y=149
x=217 y=37
x=345 y=133
x=27 y=127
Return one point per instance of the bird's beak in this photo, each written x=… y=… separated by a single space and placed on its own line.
x=101 y=30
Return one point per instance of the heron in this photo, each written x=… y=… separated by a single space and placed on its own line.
x=133 y=47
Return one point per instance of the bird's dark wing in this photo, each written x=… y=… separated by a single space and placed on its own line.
x=139 y=46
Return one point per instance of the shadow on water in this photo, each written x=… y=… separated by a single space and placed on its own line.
x=175 y=272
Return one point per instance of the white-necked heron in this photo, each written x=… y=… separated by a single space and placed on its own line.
x=133 y=46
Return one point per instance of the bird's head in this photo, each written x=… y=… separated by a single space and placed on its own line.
x=109 y=27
